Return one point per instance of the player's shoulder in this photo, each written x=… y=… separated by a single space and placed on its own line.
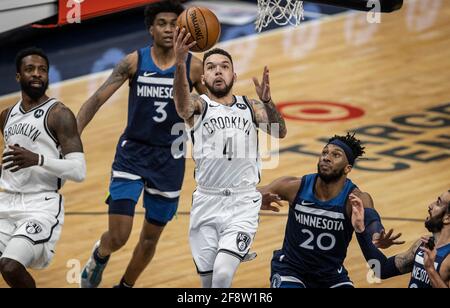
x=361 y=194
x=364 y=196
x=4 y=115
x=5 y=112
x=60 y=113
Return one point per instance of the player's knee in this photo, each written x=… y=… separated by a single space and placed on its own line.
x=222 y=278
x=9 y=267
x=148 y=245
x=119 y=240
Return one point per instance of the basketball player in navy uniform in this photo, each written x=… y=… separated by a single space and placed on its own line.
x=42 y=149
x=224 y=131
x=321 y=221
x=427 y=260
x=143 y=161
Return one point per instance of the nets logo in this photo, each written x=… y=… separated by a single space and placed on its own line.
x=38 y=113
x=242 y=241
x=33 y=228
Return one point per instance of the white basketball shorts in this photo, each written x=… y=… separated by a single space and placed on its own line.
x=30 y=226
x=222 y=220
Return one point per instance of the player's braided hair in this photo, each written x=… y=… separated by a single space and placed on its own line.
x=352 y=142
x=169 y=6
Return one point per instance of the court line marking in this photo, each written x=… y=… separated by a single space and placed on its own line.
x=186 y=213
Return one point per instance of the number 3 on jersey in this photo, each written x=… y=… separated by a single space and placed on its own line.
x=162 y=114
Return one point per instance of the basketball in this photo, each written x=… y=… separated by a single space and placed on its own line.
x=203 y=26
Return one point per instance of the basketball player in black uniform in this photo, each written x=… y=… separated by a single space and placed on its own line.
x=427 y=260
x=321 y=220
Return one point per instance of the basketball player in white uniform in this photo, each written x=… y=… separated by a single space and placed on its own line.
x=42 y=149
x=224 y=131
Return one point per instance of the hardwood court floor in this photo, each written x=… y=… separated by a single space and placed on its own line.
x=395 y=71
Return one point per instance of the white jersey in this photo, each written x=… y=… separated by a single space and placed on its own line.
x=30 y=131
x=225 y=145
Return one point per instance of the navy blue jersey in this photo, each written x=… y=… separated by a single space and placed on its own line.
x=419 y=276
x=318 y=233
x=151 y=109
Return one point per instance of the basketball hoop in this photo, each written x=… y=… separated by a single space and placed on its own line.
x=282 y=12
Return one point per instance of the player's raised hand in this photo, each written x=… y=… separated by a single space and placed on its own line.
x=19 y=158
x=263 y=88
x=385 y=240
x=268 y=201
x=357 y=213
x=181 y=45
x=429 y=254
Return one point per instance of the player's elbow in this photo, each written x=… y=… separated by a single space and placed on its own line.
x=78 y=172
x=80 y=176
x=183 y=111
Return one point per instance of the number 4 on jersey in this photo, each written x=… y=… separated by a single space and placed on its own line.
x=228 y=148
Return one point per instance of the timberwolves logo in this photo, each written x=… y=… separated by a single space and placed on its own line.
x=242 y=241
x=38 y=113
x=33 y=228
x=241 y=106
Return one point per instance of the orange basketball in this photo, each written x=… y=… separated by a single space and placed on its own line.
x=203 y=26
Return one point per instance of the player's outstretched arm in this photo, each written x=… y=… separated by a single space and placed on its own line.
x=373 y=224
x=267 y=115
x=284 y=188
x=384 y=267
x=185 y=104
x=124 y=70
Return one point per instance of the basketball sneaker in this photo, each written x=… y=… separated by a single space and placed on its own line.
x=91 y=276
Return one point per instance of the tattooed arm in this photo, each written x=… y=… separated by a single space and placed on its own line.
x=404 y=262
x=187 y=105
x=266 y=113
x=122 y=72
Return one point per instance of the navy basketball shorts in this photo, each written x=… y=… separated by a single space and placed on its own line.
x=138 y=167
x=284 y=274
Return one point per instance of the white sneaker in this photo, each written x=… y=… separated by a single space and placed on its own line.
x=91 y=276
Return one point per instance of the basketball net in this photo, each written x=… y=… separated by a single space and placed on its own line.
x=282 y=12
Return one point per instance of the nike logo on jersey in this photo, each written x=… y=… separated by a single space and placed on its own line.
x=47 y=198
x=213 y=106
x=13 y=114
x=306 y=203
x=256 y=200
x=147 y=74
x=340 y=270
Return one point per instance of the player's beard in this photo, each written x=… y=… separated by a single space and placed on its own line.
x=33 y=92
x=332 y=177
x=435 y=224
x=219 y=93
